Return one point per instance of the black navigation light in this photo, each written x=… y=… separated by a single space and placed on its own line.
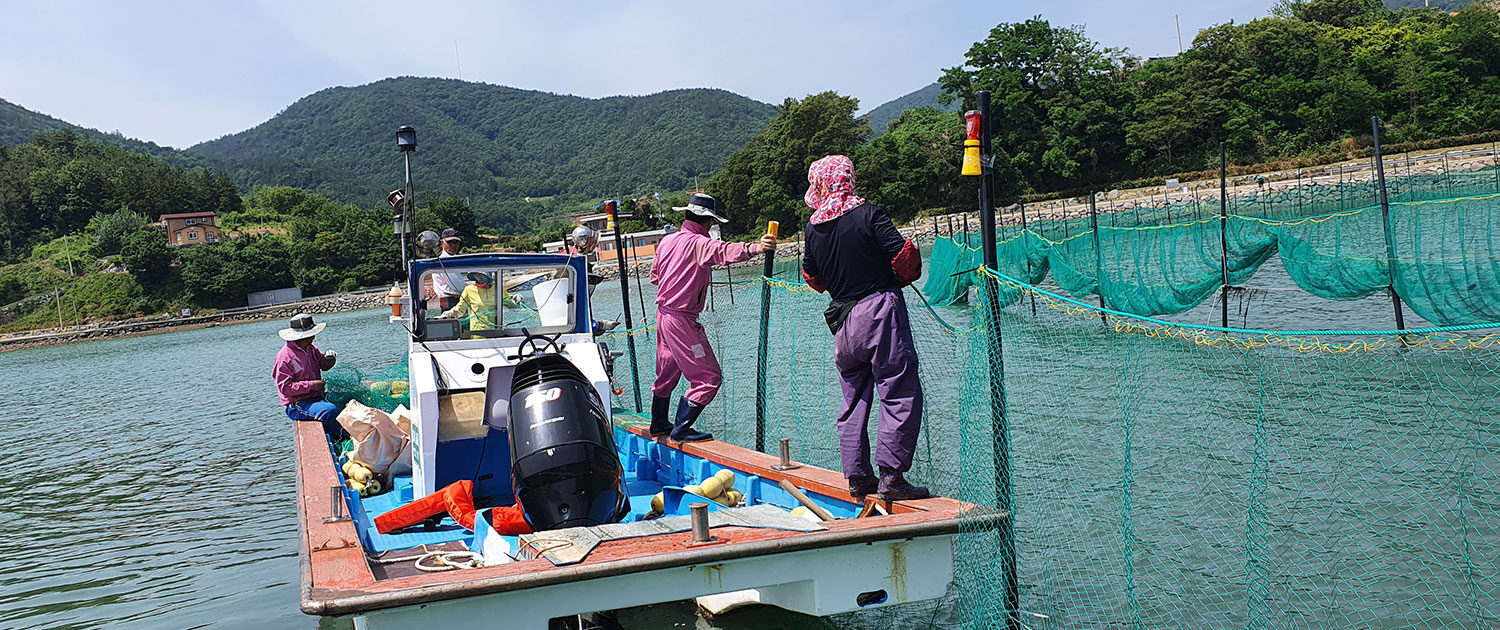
x=406 y=138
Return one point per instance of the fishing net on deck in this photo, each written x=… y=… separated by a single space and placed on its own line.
x=383 y=389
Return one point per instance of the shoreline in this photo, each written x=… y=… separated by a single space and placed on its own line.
x=142 y=326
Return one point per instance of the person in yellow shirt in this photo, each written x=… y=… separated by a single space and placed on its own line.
x=476 y=303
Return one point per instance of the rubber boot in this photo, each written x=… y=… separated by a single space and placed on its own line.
x=660 y=407
x=894 y=487
x=687 y=414
x=861 y=487
x=418 y=511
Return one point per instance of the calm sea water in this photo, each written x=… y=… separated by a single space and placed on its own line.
x=148 y=482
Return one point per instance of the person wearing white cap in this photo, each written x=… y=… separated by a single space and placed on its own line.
x=299 y=375
x=447 y=286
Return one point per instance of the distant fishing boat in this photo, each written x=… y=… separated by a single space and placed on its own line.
x=517 y=404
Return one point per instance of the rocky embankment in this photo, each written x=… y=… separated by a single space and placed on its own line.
x=167 y=323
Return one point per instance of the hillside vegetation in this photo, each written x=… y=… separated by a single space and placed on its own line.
x=1444 y=5
x=78 y=219
x=1070 y=113
x=18 y=124
x=928 y=96
x=491 y=144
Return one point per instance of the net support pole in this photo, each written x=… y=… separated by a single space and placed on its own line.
x=635 y=370
x=761 y=386
x=998 y=420
x=1385 y=216
x=1224 y=235
x=1098 y=256
x=1025 y=252
x=729 y=277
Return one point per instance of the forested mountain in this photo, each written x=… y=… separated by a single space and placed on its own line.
x=881 y=117
x=18 y=125
x=493 y=144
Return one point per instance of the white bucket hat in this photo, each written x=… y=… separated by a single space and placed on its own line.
x=703 y=206
x=302 y=327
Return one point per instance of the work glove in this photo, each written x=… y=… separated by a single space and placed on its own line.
x=331 y=357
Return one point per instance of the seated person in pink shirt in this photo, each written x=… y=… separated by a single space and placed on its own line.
x=681 y=275
x=299 y=375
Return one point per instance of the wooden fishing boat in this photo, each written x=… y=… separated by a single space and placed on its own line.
x=756 y=551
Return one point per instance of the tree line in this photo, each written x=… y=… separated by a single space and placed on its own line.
x=1069 y=112
x=80 y=221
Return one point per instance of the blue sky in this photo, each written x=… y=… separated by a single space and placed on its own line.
x=179 y=73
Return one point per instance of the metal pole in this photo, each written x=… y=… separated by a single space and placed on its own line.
x=635 y=371
x=998 y=419
x=1098 y=257
x=1024 y=252
x=410 y=204
x=69 y=251
x=635 y=265
x=762 y=388
x=966 y=227
x=1299 y=191
x=57 y=297
x=1223 y=235
x=1385 y=215
x=950 y=227
x=729 y=275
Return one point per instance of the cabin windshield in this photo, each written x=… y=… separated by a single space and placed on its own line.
x=489 y=301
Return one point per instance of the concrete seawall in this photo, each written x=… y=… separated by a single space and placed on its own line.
x=166 y=323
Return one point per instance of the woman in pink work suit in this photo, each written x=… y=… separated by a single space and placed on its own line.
x=681 y=275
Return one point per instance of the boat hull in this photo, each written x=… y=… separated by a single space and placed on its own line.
x=854 y=563
x=820 y=581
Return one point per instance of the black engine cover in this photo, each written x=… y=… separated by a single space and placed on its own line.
x=564 y=466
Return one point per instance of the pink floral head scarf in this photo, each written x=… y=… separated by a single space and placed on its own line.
x=831 y=188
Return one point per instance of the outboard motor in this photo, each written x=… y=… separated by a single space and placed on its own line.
x=564 y=466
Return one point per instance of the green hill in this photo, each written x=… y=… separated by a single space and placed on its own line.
x=18 y=125
x=492 y=144
x=881 y=117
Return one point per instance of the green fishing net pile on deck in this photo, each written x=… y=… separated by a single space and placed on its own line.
x=383 y=389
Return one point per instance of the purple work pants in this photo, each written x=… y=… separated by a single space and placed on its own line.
x=874 y=351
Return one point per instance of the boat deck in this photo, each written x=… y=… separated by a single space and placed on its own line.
x=339 y=576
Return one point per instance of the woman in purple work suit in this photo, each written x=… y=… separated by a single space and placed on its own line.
x=855 y=253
